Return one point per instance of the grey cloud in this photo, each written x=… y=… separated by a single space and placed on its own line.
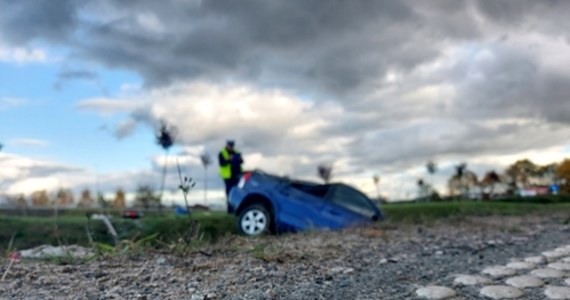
x=66 y=76
x=326 y=45
x=341 y=51
x=39 y=170
x=408 y=146
x=27 y=20
x=333 y=49
x=138 y=116
x=125 y=129
x=49 y=170
x=512 y=84
x=77 y=74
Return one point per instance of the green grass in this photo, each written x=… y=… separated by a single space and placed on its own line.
x=33 y=231
x=422 y=212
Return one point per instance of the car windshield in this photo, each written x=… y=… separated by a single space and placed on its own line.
x=352 y=200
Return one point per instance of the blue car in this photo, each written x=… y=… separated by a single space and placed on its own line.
x=268 y=203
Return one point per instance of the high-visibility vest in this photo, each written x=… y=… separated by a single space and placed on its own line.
x=226 y=171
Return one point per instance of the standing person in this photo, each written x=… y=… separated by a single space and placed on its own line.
x=230 y=161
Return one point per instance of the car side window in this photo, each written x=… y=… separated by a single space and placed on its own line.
x=315 y=190
x=352 y=200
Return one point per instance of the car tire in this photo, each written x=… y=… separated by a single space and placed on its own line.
x=254 y=220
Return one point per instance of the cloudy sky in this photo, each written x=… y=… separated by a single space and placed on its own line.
x=372 y=87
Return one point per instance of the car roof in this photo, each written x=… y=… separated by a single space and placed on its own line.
x=300 y=181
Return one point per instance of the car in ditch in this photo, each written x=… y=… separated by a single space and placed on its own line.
x=264 y=202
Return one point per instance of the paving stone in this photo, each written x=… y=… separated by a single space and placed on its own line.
x=525 y=281
x=471 y=280
x=501 y=292
x=565 y=250
x=535 y=259
x=557 y=292
x=565 y=259
x=435 y=292
x=567 y=281
x=559 y=266
x=521 y=265
x=499 y=271
x=547 y=273
x=551 y=255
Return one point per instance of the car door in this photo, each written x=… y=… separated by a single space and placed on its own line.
x=345 y=206
x=299 y=210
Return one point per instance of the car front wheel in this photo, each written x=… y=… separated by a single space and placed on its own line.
x=254 y=220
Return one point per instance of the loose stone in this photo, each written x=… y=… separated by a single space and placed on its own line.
x=521 y=265
x=501 y=292
x=557 y=292
x=547 y=273
x=535 y=259
x=553 y=254
x=471 y=280
x=525 y=281
x=435 y=292
x=564 y=250
x=560 y=266
x=499 y=271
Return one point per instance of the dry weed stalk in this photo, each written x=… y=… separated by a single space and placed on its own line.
x=14 y=257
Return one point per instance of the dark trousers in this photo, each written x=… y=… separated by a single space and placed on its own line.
x=230 y=183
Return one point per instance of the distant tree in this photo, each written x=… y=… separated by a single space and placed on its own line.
x=431 y=167
x=547 y=173
x=146 y=198
x=520 y=171
x=21 y=200
x=40 y=198
x=325 y=172
x=22 y=204
x=489 y=182
x=119 y=201
x=563 y=175
x=421 y=186
x=86 y=200
x=103 y=202
x=460 y=169
x=462 y=182
x=426 y=190
x=63 y=197
x=165 y=138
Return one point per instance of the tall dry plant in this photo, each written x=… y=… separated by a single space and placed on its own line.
x=376 y=180
x=165 y=138
x=325 y=172
x=206 y=161
x=431 y=167
x=186 y=184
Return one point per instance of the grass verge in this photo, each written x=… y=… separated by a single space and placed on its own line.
x=26 y=232
x=33 y=231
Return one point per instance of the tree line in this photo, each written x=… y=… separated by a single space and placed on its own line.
x=145 y=197
x=522 y=174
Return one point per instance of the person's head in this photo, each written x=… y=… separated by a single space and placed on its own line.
x=230 y=144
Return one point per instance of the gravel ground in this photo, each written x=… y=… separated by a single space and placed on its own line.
x=380 y=262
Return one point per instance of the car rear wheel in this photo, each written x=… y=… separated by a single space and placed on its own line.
x=254 y=220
